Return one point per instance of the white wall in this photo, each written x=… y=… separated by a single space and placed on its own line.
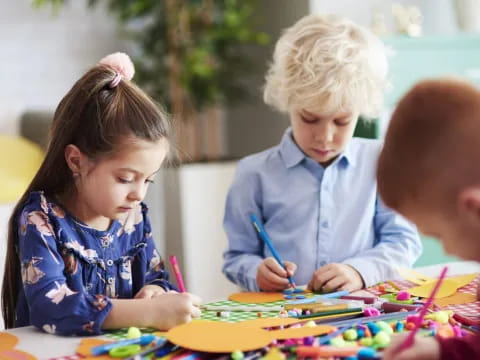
x=195 y=196
x=41 y=55
x=438 y=15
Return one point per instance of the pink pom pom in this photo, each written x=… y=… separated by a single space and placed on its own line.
x=120 y=62
x=403 y=295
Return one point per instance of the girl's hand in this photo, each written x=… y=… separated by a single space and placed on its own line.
x=150 y=292
x=173 y=309
x=424 y=348
x=334 y=277
x=272 y=277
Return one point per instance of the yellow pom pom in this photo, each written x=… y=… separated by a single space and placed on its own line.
x=133 y=333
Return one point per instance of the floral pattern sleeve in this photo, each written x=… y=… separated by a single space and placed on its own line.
x=55 y=304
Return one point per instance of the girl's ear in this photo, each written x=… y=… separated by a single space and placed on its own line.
x=75 y=159
x=469 y=203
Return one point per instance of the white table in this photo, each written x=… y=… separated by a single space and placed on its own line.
x=46 y=346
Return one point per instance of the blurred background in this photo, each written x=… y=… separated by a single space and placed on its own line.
x=205 y=60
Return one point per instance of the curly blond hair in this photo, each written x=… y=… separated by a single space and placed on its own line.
x=329 y=63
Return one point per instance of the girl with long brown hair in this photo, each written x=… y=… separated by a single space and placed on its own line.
x=80 y=253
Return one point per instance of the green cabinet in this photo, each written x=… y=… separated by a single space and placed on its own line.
x=414 y=59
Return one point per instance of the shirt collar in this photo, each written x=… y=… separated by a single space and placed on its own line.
x=290 y=152
x=292 y=155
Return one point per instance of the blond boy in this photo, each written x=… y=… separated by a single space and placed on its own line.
x=315 y=192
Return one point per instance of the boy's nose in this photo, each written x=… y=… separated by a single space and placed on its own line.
x=325 y=135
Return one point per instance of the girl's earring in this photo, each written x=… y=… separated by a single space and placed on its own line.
x=75 y=175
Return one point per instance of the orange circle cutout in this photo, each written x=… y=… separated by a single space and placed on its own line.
x=218 y=337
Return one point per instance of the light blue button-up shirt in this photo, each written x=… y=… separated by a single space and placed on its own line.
x=315 y=215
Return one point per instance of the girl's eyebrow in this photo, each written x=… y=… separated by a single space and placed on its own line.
x=137 y=172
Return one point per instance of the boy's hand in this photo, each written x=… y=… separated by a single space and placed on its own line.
x=272 y=277
x=173 y=309
x=424 y=348
x=150 y=292
x=334 y=277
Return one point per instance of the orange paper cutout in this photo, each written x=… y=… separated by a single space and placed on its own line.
x=86 y=345
x=13 y=354
x=7 y=341
x=7 y=351
x=218 y=337
x=256 y=297
x=458 y=298
x=269 y=322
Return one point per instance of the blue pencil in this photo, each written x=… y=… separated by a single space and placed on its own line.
x=263 y=234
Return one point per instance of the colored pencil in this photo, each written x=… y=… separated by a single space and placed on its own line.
x=410 y=338
x=386 y=317
x=329 y=312
x=264 y=236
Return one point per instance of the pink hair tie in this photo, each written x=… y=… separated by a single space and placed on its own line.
x=115 y=81
x=122 y=64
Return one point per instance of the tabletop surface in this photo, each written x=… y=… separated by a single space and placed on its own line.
x=45 y=346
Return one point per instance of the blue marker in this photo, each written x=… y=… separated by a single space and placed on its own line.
x=263 y=234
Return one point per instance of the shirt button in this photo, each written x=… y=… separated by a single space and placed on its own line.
x=325 y=224
x=109 y=262
x=110 y=280
x=105 y=243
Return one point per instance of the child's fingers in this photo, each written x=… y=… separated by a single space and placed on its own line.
x=321 y=277
x=196 y=301
x=196 y=312
x=276 y=280
x=334 y=283
x=291 y=268
x=275 y=267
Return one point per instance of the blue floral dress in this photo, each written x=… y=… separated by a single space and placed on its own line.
x=70 y=271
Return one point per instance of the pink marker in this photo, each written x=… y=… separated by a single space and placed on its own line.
x=410 y=338
x=177 y=273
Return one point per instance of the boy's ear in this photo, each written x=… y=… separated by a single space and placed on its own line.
x=469 y=203
x=75 y=159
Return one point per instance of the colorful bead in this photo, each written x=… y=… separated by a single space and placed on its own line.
x=237 y=355
x=309 y=340
x=382 y=339
x=371 y=311
x=350 y=334
x=367 y=341
x=385 y=327
x=133 y=333
x=403 y=295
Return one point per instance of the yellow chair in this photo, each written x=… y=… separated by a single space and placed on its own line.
x=19 y=161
